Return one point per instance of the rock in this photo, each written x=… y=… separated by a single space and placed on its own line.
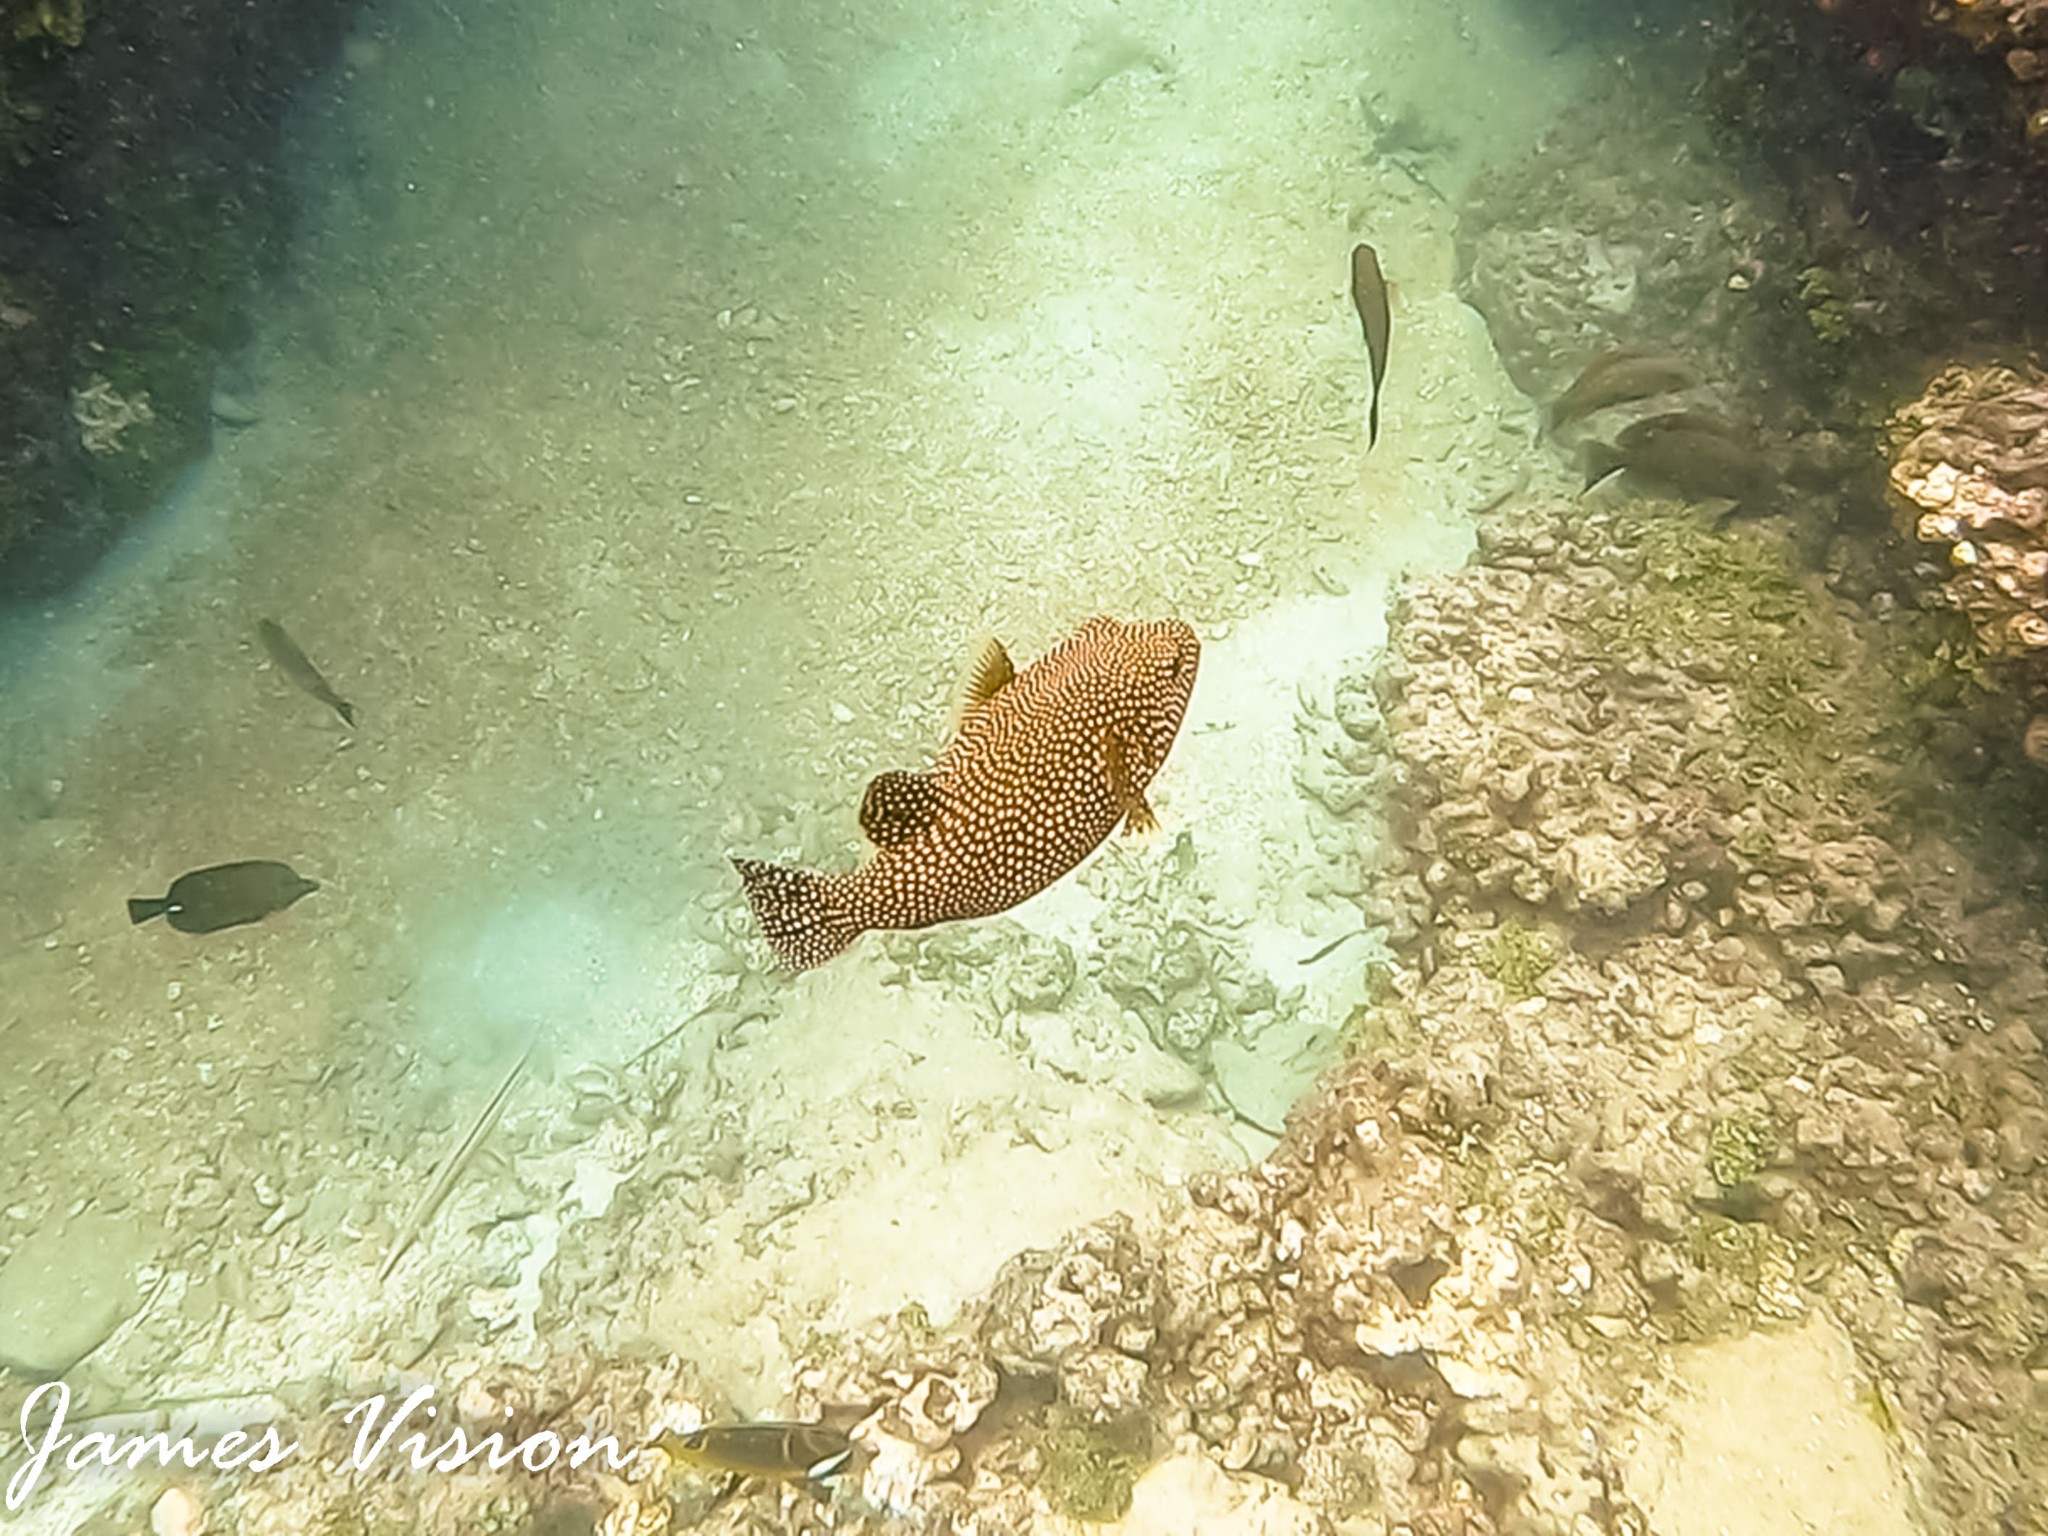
x=1164 y=1081
x=1358 y=712
x=1103 y=1384
x=67 y=1287
x=1608 y=874
x=234 y=410
x=176 y=1513
x=1569 y=294
x=1097 y=1288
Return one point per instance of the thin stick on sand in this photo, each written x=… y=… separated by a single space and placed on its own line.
x=452 y=1166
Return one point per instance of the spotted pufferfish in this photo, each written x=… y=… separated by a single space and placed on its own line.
x=1043 y=766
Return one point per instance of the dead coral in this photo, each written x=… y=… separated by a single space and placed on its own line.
x=1624 y=721
x=103 y=416
x=1798 y=1068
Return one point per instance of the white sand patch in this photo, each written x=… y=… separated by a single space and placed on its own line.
x=1773 y=1434
x=1189 y=1495
x=917 y=1153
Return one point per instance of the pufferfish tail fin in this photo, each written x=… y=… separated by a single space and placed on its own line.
x=798 y=917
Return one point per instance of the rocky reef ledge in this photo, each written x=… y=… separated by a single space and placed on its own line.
x=141 y=200
x=1692 y=1161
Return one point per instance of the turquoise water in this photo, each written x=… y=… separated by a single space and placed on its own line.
x=659 y=404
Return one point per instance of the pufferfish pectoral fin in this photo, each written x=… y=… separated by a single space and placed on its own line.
x=897 y=807
x=1123 y=788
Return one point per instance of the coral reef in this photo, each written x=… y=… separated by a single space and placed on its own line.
x=1853 y=205
x=2014 y=33
x=1970 y=471
x=1744 y=790
x=1970 y=464
x=1771 y=967
x=1652 y=238
x=1904 y=143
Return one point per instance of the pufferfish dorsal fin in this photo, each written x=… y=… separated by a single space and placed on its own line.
x=897 y=807
x=987 y=675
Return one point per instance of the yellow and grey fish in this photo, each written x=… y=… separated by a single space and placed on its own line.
x=292 y=662
x=1044 y=765
x=1369 y=298
x=1690 y=452
x=1624 y=373
x=224 y=896
x=772 y=1450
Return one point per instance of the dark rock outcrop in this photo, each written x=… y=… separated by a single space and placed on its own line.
x=140 y=203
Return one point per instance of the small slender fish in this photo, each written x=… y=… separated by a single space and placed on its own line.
x=772 y=1450
x=1624 y=373
x=450 y=1171
x=292 y=662
x=1369 y=297
x=224 y=896
x=1334 y=945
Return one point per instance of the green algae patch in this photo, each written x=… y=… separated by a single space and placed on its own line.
x=1087 y=1471
x=1827 y=309
x=1517 y=956
x=1725 y=607
x=1739 y=1147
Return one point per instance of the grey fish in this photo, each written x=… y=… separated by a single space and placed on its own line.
x=772 y=1450
x=224 y=896
x=1690 y=452
x=1369 y=298
x=1625 y=373
x=1044 y=766
x=292 y=662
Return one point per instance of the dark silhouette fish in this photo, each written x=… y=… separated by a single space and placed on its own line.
x=224 y=896
x=1044 y=765
x=772 y=1450
x=292 y=662
x=1695 y=454
x=1625 y=373
x=1369 y=297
